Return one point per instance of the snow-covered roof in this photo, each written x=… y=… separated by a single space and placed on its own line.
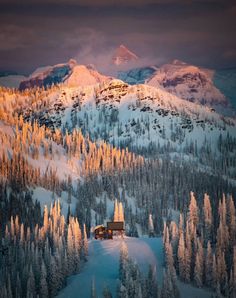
x=99 y=226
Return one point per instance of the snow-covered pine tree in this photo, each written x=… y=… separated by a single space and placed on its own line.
x=151 y=287
x=106 y=292
x=198 y=271
x=122 y=291
x=85 y=242
x=209 y=265
x=70 y=249
x=43 y=292
x=167 y=290
x=121 y=212
x=181 y=256
x=116 y=211
x=31 y=284
x=193 y=216
x=208 y=219
x=231 y=221
x=150 y=226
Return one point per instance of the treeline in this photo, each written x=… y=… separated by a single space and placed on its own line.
x=34 y=141
x=35 y=260
x=156 y=186
x=201 y=247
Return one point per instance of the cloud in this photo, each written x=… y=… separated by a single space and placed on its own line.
x=96 y=48
x=230 y=54
x=110 y=3
x=15 y=37
x=42 y=33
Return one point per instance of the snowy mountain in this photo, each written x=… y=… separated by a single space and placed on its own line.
x=123 y=55
x=188 y=82
x=70 y=74
x=84 y=76
x=215 y=88
x=48 y=75
x=138 y=116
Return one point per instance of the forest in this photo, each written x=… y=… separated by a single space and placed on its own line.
x=40 y=247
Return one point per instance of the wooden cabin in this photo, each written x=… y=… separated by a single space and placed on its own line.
x=117 y=227
x=102 y=232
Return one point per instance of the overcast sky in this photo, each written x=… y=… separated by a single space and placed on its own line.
x=35 y=33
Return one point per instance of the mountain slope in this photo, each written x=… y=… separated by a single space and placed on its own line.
x=70 y=74
x=136 y=75
x=84 y=76
x=48 y=75
x=136 y=116
x=188 y=82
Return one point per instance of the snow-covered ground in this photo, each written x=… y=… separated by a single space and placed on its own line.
x=45 y=197
x=103 y=267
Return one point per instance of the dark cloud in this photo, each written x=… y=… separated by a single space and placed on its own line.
x=102 y=3
x=35 y=33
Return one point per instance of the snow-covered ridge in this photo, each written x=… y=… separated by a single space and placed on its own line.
x=188 y=82
x=69 y=73
x=134 y=116
x=84 y=76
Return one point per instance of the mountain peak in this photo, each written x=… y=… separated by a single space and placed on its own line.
x=123 y=55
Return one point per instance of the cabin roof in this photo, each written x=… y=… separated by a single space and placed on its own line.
x=115 y=225
x=99 y=226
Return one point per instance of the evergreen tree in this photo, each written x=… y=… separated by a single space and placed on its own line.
x=116 y=212
x=151 y=283
x=209 y=265
x=181 y=257
x=150 y=226
x=198 y=271
x=106 y=292
x=85 y=241
x=43 y=282
x=193 y=216
x=31 y=284
x=167 y=290
x=207 y=218
x=121 y=212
